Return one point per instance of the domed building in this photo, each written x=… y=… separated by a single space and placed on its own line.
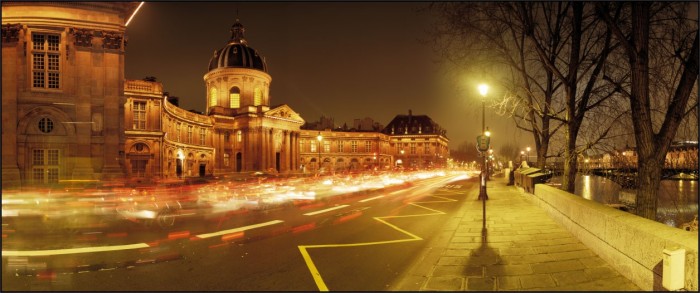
x=69 y=114
x=240 y=131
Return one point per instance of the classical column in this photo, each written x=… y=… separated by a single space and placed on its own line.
x=265 y=149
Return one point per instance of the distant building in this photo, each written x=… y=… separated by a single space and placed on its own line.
x=417 y=141
x=367 y=124
x=339 y=149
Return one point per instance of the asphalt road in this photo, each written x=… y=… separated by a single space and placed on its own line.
x=345 y=243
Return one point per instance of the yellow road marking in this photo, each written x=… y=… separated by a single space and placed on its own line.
x=412 y=237
x=326 y=210
x=73 y=250
x=239 y=229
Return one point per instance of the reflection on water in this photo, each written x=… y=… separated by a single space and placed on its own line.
x=677 y=204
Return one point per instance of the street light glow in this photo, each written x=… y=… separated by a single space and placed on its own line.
x=483 y=89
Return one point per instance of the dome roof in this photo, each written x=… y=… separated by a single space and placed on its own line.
x=236 y=53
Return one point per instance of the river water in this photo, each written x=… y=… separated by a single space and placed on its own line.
x=677 y=204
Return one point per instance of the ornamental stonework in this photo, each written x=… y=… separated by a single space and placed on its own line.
x=10 y=32
x=112 y=40
x=82 y=37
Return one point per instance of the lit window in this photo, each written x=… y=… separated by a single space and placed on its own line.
x=257 y=99
x=301 y=146
x=326 y=146
x=353 y=146
x=340 y=146
x=239 y=136
x=45 y=125
x=235 y=98
x=45 y=166
x=413 y=148
x=202 y=135
x=213 y=96
x=227 y=159
x=45 y=61
x=139 y=115
x=368 y=146
x=313 y=146
x=189 y=134
x=427 y=148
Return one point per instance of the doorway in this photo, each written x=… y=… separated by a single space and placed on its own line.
x=239 y=163
x=178 y=168
x=202 y=170
x=277 y=161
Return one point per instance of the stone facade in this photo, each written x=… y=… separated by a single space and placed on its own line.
x=69 y=113
x=63 y=76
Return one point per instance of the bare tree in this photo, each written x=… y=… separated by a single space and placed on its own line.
x=588 y=45
x=660 y=43
x=488 y=39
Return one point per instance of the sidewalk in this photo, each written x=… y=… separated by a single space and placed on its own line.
x=524 y=249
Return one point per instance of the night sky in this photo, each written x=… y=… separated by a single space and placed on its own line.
x=343 y=60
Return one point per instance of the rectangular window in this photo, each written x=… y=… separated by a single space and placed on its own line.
x=202 y=135
x=53 y=157
x=313 y=146
x=301 y=146
x=52 y=175
x=235 y=100
x=340 y=146
x=189 y=134
x=368 y=146
x=353 y=146
x=139 y=115
x=413 y=148
x=227 y=159
x=326 y=146
x=427 y=148
x=38 y=157
x=45 y=165
x=38 y=175
x=227 y=136
x=177 y=129
x=45 y=61
x=239 y=136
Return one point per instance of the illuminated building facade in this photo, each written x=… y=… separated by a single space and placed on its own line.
x=68 y=112
x=62 y=86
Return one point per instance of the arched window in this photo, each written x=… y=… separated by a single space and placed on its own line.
x=235 y=98
x=213 y=96
x=257 y=99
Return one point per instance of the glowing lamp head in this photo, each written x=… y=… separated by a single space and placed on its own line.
x=528 y=149
x=319 y=137
x=522 y=152
x=487 y=133
x=483 y=89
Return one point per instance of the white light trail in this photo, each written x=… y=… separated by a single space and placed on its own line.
x=134 y=14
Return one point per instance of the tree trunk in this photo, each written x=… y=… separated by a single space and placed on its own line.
x=568 y=182
x=649 y=180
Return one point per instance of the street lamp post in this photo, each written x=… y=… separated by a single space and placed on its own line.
x=320 y=138
x=528 y=156
x=483 y=90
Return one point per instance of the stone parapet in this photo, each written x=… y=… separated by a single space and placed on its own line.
x=631 y=244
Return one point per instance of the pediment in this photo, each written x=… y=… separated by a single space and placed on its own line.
x=284 y=112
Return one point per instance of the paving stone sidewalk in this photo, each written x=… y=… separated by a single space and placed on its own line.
x=523 y=249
